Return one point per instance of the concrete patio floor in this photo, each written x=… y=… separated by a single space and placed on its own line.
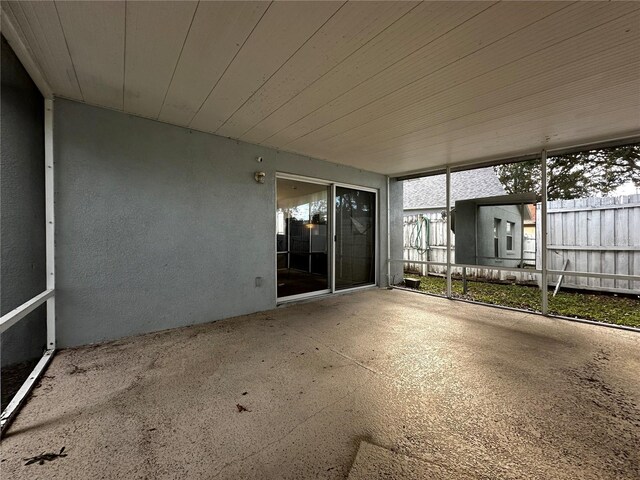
x=467 y=391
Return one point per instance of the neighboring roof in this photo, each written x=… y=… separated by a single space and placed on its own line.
x=430 y=192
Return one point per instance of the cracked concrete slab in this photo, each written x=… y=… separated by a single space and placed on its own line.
x=494 y=393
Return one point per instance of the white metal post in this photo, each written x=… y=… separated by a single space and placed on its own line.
x=332 y=241
x=389 y=283
x=48 y=295
x=448 y=191
x=543 y=234
x=50 y=222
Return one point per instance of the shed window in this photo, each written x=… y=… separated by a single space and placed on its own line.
x=510 y=228
x=496 y=239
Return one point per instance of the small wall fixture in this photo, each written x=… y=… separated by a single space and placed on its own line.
x=259 y=176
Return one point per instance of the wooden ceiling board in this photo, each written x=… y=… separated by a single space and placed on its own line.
x=284 y=28
x=504 y=117
x=384 y=86
x=597 y=126
x=513 y=59
x=350 y=28
x=547 y=124
x=95 y=34
x=218 y=32
x=152 y=53
x=474 y=35
x=590 y=51
x=38 y=22
x=410 y=33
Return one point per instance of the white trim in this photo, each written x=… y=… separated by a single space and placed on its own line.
x=356 y=187
x=360 y=287
x=301 y=178
x=48 y=295
x=388 y=234
x=544 y=280
x=49 y=188
x=21 y=395
x=448 y=207
x=376 y=192
x=496 y=267
x=609 y=276
x=14 y=316
x=332 y=240
x=566 y=273
x=596 y=248
x=302 y=296
x=419 y=262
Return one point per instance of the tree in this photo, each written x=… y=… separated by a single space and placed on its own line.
x=576 y=175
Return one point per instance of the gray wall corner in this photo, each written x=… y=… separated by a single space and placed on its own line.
x=396 y=233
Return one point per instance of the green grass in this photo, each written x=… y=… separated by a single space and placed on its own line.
x=619 y=310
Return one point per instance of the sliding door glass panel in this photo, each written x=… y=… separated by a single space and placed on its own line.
x=355 y=244
x=302 y=237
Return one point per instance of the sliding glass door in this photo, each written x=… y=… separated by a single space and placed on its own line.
x=302 y=238
x=325 y=237
x=355 y=238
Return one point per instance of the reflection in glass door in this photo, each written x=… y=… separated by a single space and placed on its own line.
x=302 y=238
x=355 y=238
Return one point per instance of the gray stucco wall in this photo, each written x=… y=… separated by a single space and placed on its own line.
x=396 y=236
x=158 y=226
x=22 y=220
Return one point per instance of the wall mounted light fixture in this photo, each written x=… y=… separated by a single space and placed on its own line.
x=259 y=176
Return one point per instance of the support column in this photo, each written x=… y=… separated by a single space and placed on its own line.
x=50 y=221
x=543 y=234
x=448 y=189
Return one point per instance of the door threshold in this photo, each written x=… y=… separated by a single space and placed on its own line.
x=320 y=295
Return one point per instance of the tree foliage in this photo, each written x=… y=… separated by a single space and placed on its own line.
x=576 y=175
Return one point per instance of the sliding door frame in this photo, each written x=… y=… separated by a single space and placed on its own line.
x=324 y=291
x=332 y=236
x=376 y=252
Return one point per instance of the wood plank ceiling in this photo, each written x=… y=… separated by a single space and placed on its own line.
x=391 y=87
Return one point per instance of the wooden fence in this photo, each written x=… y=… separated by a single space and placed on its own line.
x=594 y=235
x=425 y=240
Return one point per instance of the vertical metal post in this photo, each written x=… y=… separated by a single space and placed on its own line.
x=389 y=282
x=448 y=191
x=464 y=280
x=333 y=234
x=543 y=234
x=521 y=235
x=50 y=222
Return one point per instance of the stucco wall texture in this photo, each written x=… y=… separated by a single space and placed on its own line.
x=159 y=226
x=22 y=215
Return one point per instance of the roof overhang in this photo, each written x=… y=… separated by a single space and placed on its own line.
x=391 y=87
